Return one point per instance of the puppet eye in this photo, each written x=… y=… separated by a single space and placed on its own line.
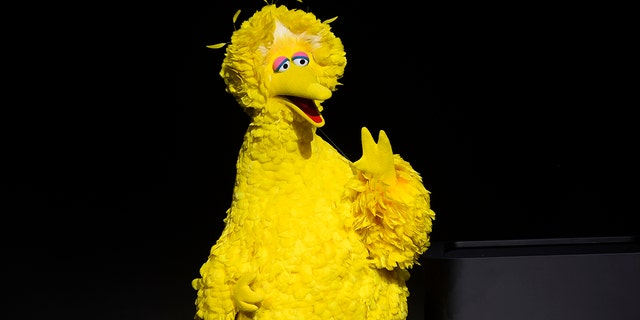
x=300 y=59
x=281 y=64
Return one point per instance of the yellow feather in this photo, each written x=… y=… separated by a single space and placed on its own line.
x=216 y=46
x=331 y=20
x=235 y=16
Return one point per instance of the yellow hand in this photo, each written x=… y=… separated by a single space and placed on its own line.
x=377 y=158
x=245 y=298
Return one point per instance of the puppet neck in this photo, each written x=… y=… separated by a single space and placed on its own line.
x=279 y=136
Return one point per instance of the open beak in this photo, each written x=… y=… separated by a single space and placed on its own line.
x=299 y=87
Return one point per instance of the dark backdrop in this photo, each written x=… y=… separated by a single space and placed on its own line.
x=121 y=142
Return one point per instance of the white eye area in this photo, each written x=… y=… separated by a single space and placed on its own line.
x=300 y=61
x=283 y=66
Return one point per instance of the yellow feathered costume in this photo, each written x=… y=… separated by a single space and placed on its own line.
x=309 y=234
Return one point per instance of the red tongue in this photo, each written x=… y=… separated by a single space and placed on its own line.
x=308 y=107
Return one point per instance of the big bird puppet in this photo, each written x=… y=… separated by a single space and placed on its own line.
x=309 y=234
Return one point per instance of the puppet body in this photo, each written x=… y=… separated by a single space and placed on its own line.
x=309 y=234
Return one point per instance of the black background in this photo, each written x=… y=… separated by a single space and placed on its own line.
x=120 y=141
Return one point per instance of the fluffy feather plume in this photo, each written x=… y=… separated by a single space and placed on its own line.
x=393 y=221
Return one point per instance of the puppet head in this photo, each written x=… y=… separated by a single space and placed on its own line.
x=284 y=54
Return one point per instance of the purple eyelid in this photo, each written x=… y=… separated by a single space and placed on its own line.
x=279 y=62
